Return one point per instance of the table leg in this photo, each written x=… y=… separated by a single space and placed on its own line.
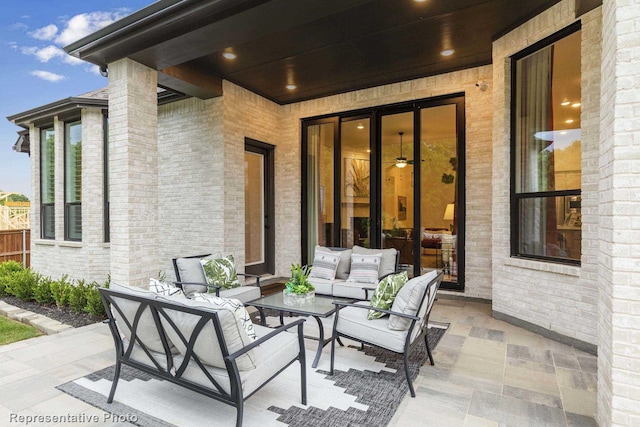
x=263 y=321
x=320 y=343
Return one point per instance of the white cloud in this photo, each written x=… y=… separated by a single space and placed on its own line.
x=44 y=54
x=72 y=60
x=12 y=45
x=93 y=69
x=47 y=75
x=18 y=26
x=86 y=23
x=45 y=33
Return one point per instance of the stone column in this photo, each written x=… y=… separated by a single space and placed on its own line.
x=619 y=224
x=133 y=172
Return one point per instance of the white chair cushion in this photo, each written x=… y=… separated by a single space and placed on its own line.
x=207 y=346
x=242 y=293
x=408 y=300
x=388 y=261
x=353 y=322
x=191 y=270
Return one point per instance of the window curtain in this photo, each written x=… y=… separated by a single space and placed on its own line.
x=535 y=154
x=313 y=188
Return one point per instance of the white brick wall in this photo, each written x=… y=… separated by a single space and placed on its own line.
x=619 y=225
x=89 y=259
x=560 y=298
x=133 y=173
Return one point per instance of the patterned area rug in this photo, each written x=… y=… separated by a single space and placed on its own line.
x=365 y=390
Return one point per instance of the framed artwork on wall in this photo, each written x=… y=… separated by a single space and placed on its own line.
x=402 y=208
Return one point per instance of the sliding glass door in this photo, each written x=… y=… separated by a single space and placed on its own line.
x=363 y=185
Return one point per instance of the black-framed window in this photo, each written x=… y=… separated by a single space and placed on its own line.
x=546 y=147
x=47 y=184
x=105 y=127
x=73 y=181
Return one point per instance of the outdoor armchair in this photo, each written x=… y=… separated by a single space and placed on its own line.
x=401 y=331
x=190 y=277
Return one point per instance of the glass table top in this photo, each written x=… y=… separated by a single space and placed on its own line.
x=322 y=306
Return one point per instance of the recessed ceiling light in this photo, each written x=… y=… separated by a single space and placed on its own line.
x=368 y=150
x=291 y=86
x=360 y=126
x=576 y=104
x=569 y=121
x=447 y=52
x=419 y=1
x=565 y=103
x=229 y=55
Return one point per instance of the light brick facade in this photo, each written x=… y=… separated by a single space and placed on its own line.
x=619 y=217
x=559 y=298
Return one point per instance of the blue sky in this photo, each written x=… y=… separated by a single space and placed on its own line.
x=34 y=70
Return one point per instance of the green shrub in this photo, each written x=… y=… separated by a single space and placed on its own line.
x=60 y=290
x=78 y=296
x=22 y=283
x=94 y=304
x=42 y=291
x=6 y=269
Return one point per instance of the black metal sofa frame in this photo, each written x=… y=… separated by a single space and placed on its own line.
x=158 y=310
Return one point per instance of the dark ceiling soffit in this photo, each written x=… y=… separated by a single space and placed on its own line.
x=56 y=108
x=22 y=145
x=525 y=19
x=584 y=6
x=190 y=81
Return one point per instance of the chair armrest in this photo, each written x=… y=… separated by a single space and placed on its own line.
x=214 y=287
x=366 y=291
x=259 y=341
x=251 y=275
x=340 y=304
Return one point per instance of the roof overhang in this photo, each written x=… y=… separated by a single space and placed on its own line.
x=65 y=107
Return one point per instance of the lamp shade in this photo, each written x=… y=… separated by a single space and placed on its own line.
x=448 y=212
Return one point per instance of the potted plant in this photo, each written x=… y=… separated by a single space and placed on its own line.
x=298 y=290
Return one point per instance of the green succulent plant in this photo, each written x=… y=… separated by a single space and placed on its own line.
x=299 y=283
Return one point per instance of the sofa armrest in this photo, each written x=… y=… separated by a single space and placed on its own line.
x=299 y=323
x=340 y=304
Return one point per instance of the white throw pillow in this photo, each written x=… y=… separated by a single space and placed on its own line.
x=325 y=264
x=408 y=300
x=233 y=305
x=364 y=268
x=387 y=262
x=162 y=288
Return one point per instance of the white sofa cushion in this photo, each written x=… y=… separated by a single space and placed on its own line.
x=408 y=300
x=323 y=286
x=270 y=357
x=388 y=261
x=233 y=305
x=207 y=346
x=146 y=330
x=352 y=290
x=325 y=264
x=344 y=266
x=365 y=267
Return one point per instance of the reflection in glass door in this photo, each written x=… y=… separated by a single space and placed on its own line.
x=397 y=185
x=439 y=183
x=356 y=182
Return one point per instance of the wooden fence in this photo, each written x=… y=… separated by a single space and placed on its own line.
x=15 y=245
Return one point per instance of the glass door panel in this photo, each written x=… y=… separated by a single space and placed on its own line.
x=397 y=185
x=320 y=186
x=438 y=176
x=254 y=213
x=356 y=182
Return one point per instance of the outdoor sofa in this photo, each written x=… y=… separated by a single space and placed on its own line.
x=346 y=283
x=204 y=347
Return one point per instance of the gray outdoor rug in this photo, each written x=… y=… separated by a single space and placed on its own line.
x=365 y=390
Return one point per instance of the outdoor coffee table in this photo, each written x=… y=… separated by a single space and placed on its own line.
x=321 y=308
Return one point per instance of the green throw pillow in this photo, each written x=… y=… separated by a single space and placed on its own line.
x=385 y=293
x=221 y=272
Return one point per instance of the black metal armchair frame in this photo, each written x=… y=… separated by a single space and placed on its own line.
x=216 y=288
x=158 y=310
x=416 y=322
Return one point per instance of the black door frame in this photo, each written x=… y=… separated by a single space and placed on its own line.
x=375 y=114
x=267 y=151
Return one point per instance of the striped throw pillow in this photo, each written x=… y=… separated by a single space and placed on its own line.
x=364 y=268
x=325 y=264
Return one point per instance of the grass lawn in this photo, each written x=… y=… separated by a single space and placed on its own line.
x=11 y=331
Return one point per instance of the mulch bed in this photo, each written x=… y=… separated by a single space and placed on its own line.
x=63 y=315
